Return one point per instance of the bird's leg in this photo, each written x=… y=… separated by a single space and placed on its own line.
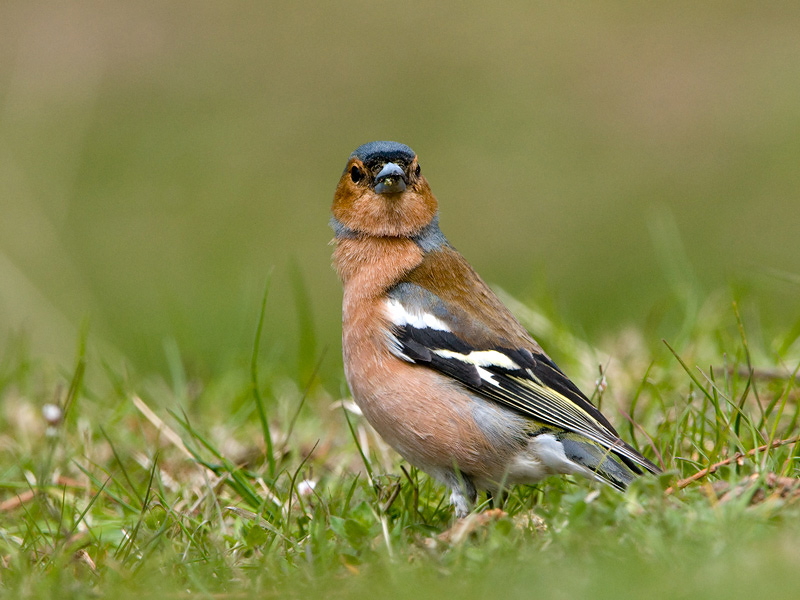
x=497 y=497
x=462 y=493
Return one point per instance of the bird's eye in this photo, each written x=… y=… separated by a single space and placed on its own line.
x=356 y=175
x=418 y=170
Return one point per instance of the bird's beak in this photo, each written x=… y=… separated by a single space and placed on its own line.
x=391 y=180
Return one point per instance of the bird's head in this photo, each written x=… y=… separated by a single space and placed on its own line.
x=382 y=193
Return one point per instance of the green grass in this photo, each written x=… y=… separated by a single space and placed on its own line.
x=153 y=487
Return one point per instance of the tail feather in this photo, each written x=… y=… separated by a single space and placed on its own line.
x=616 y=470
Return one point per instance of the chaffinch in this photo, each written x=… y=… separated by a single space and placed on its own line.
x=438 y=365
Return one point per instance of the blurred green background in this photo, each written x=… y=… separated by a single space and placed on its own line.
x=158 y=158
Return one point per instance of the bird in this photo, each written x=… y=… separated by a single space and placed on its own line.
x=437 y=364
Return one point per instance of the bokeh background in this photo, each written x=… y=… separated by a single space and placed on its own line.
x=158 y=159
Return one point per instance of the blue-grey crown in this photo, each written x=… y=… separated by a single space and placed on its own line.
x=384 y=152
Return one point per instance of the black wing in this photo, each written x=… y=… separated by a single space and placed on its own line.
x=529 y=383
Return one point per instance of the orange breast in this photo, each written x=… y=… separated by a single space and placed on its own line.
x=424 y=415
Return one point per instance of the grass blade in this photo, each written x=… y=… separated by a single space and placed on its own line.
x=262 y=415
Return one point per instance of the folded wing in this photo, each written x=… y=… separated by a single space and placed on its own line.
x=424 y=331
